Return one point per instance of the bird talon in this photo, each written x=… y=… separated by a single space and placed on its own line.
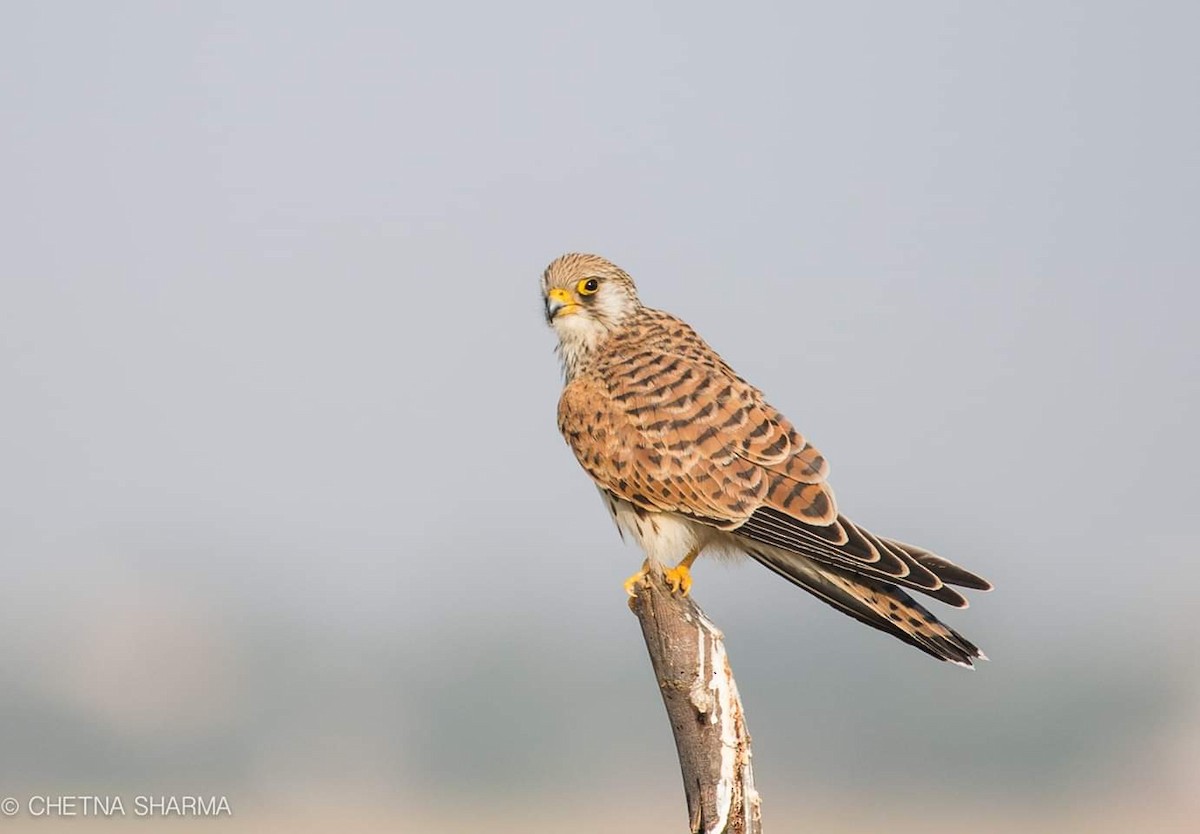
x=679 y=578
x=637 y=579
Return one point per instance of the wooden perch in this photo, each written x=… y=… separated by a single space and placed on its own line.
x=698 y=690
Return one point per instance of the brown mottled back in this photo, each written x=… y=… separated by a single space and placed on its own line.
x=659 y=419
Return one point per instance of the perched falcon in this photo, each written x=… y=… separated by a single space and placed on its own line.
x=689 y=457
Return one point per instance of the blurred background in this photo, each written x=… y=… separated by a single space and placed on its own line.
x=284 y=514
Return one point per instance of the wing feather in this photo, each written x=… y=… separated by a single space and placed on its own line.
x=659 y=420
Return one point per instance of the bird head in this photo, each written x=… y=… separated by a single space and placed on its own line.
x=586 y=296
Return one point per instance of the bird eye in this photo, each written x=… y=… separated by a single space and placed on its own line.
x=588 y=287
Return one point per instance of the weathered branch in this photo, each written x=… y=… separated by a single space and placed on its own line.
x=688 y=653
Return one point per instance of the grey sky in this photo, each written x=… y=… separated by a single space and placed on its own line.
x=270 y=336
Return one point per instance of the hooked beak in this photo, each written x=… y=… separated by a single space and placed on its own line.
x=559 y=302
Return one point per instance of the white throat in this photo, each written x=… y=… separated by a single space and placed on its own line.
x=578 y=336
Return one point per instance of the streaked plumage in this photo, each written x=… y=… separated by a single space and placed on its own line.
x=690 y=457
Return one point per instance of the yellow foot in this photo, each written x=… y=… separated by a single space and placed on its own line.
x=632 y=582
x=679 y=578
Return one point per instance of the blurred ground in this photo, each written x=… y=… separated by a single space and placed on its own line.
x=587 y=814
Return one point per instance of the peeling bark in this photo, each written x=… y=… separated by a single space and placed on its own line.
x=701 y=697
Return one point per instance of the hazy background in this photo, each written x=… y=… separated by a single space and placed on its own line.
x=284 y=514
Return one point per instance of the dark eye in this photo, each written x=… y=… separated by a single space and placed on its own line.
x=588 y=287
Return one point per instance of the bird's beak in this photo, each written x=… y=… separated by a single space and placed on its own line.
x=559 y=302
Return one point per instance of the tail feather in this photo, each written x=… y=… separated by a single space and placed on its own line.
x=845 y=545
x=873 y=602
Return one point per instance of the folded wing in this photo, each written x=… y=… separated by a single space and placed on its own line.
x=665 y=424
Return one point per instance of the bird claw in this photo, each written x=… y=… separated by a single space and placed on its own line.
x=679 y=578
x=637 y=579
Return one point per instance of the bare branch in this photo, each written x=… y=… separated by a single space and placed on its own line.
x=688 y=654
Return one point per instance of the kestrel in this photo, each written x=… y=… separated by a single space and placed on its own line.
x=690 y=458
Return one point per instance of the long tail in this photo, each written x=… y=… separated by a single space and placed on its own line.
x=871 y=601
